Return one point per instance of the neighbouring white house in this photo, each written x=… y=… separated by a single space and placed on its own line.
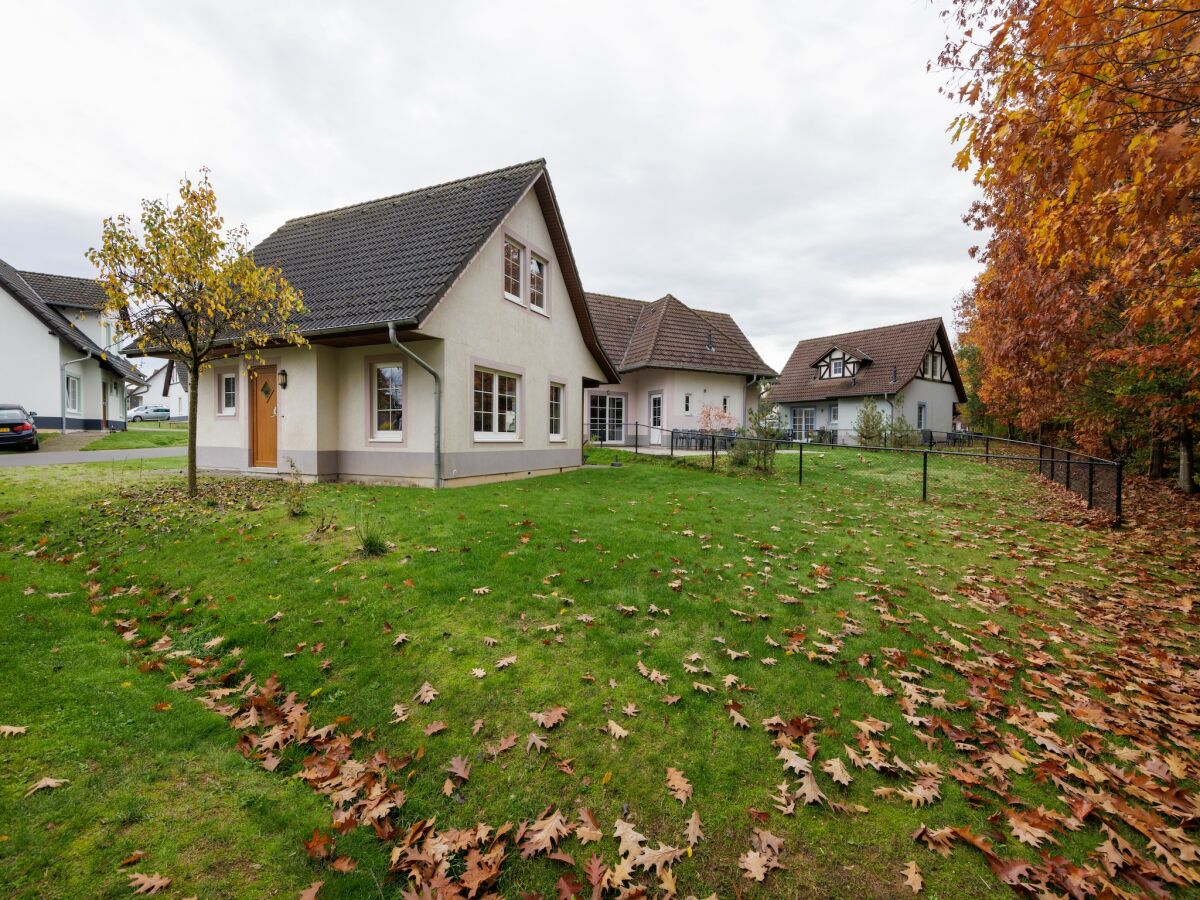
x=909 y=370
x=165 y=386
x=682 y=369
x=449 y=342
x=61 y=360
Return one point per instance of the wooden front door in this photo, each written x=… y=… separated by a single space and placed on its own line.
x=264 y=411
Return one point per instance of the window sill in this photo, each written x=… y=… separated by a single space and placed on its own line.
x=557 y=440
x=511 y=299
x=490 y=438
x=544 y=313
x=386 y=439
x=227 y=415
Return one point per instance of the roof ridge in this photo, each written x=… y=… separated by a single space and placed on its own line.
x=429 y=187
x=24 y=272
x=842 y=334
x=617 y=297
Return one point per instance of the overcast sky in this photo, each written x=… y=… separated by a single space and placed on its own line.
x=784 y=162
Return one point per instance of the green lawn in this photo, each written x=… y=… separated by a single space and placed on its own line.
x=137 y=437
x=815 y=604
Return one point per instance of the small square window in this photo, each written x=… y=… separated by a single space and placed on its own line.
x=838 y=368
x=512 y=269
x=537 y=283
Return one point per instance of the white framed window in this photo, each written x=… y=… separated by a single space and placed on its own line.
x=538 y=270
x=514 y=255
x=724 y=404
x=606 y=421
x=922 y=418
x=837 y=367
x=228 y=394
x=387 y=423
x=833 y=413
x=556 y=412
x=687 y=404
x=495 y=405
x=72 y=388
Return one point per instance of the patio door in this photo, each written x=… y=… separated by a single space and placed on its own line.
x=606 y=418
x=264 y=412
x=803 y=423
x=656 y=418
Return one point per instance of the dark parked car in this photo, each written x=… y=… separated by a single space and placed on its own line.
x=17 y=431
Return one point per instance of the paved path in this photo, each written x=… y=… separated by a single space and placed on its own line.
x=60 y=458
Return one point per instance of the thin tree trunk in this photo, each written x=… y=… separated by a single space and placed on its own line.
x=1187 y=461
x=1158 y=453
x=193 y=409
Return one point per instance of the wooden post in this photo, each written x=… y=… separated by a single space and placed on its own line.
x=1120 y=485
x=924 y=476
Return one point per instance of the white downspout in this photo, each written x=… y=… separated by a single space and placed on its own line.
x=62 y=378
x=437 y=397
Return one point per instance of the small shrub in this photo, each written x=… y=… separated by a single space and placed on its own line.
x=869 y=424
x=370 y=538
x=295 y=492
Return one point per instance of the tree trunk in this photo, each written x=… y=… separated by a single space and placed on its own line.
x=1158 y=453
x=193 y=408
x=1187 y=461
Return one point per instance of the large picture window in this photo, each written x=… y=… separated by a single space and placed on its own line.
x=389 y=401
x=72 y=387
x=607 y=419
x=556 y=412
x=495 y=405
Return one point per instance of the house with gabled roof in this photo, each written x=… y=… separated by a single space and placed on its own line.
x=681 y=369
x=166 y=386
x=449 y=342
x=908 y=369
x=61 y=360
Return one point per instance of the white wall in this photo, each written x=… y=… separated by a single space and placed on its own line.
x=29 y=363
x=706 y=388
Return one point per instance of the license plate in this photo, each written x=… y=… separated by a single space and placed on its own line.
x=5 y=429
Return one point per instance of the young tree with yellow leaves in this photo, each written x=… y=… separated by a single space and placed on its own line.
x=187 y=288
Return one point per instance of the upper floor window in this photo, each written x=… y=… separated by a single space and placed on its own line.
x=556 y=412
x=513 y=253
x=388 y=403
x=228 y=394
x=537 y=282
x=837 y=368
x=495 y=405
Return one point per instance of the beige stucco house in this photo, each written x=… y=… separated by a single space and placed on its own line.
x=449 y=342
x=908 y=369
x=61 y=359
x=682 y=370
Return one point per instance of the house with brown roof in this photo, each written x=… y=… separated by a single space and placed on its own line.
x=449 y=342
x=909 y=370
x=680 y=369
x=61 y=360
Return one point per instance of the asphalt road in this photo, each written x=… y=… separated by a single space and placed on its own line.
x=70 y=457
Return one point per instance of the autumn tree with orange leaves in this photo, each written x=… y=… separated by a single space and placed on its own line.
x=1082 y=128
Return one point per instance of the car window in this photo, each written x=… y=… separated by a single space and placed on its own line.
x=11 y=415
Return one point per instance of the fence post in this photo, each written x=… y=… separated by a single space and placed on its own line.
x=1068 y=470
x=636 y=429
x=1052 y=462
x=1041 y=458
x=1091 y=481
x=1120 y=485
x=672 y=443
x=924 y=476
x=712 y=466
x=987 y=449
x=800 y=467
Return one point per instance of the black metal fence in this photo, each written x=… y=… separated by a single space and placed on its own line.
x=1098 y=481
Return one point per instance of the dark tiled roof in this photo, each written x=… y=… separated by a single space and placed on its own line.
x=667 y=333
x=66 y=290
x=892 y=348
x=394 y=258
x=16 y=284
